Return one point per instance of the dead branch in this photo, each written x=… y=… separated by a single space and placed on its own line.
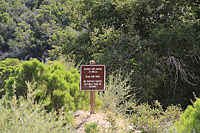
x=179 y=69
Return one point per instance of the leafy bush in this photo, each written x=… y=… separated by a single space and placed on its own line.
x=54 y=85
x=190 y=120
x=115 y=98
x=113 y=123
x=91 y=127
x=142 y=117
x=149 y=118
x=24 y=115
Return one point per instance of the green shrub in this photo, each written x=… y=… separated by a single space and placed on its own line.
x=54 y=85
x=190 y=120
x=147 y=118
x=91 y=127
x=7 y=67
x=25 y=115
x=113 y=123
x=142 y=117
x=116 y=97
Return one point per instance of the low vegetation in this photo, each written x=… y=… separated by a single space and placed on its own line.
x=142 y=117
x=25 y=115
x=27 y=110
x=153 y=118
x=91 y=128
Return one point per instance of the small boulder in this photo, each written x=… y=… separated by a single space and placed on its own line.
x=77 y=113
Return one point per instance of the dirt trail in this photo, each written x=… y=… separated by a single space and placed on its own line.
x=84 y=117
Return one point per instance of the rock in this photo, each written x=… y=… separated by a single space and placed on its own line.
x=77 y=113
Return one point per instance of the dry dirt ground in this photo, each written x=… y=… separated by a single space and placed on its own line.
x=84 y=117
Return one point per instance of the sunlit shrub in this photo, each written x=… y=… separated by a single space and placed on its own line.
x=25 y=115
x=91 y=127
x=54 y=85
x=153 y=118
x=190 y=119
x=7 y=67
x=116 y=96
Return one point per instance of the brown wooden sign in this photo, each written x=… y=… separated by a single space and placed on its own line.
x=92 y=78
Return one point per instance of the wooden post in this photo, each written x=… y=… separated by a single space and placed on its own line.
x=92 y=95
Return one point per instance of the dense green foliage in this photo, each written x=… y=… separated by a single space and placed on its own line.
x=52 y=84
x=156 y=41
x=190 y=119
x=31 y=28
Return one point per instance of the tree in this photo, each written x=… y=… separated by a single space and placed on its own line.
x=156 y=41
x=7 y=25
x=29 y=27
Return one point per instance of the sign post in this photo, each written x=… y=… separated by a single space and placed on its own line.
x=92 y=96
x=92 y=79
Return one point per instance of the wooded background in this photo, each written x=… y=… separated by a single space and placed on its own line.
x=157 y=42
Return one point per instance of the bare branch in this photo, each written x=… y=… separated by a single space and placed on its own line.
x=196 y=56
x=179 y=69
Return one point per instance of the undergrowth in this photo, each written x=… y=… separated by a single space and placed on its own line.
x=153 y=118
x=116 y=98
x=91 y=127
x=141 y=117
x=24 y=115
